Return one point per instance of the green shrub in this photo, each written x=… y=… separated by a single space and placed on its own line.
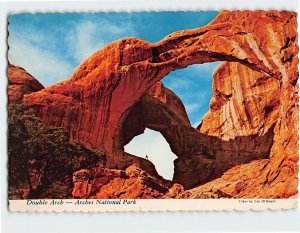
x=39 y=154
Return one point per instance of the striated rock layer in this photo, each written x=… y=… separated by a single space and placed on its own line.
x=200 y=157
x=255 y=97
x=244 y=102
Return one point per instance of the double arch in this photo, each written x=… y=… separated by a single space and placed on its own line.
x=104 y=91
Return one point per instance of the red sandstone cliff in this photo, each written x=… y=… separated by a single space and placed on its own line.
x=244 y=102
x=253 y=114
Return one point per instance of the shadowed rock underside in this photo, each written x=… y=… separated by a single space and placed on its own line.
x=246 y=145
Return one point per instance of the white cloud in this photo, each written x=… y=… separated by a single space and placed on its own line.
x=29 y=48
x=40 y=63
x=191 y=108
x=87 y=37
x=82 y=40
x=114 y=29
x=31 y=37
x=209 y=66
x=179 y=83
x=155 y=146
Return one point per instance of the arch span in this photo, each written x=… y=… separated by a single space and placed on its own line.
x=95 y=101
x=152 y=146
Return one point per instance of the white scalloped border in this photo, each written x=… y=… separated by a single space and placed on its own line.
x=11 y=7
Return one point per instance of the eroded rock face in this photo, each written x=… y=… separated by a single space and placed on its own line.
x=19 y=83
x=275 y=102
x=102 y=183
x=92 y=103
x=244 y=102
x=255 y=96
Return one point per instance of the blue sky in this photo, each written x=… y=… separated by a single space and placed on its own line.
x=51 y=46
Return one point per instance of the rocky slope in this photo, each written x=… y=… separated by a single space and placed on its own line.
x=253 y=113
x=105 y=183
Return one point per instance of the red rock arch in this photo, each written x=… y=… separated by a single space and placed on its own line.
x=96 y=100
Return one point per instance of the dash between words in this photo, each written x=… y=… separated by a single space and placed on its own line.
x=82 y=202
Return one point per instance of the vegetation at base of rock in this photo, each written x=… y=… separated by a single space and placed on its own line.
x=254 y=94
x=40 y=155
x=246 y=146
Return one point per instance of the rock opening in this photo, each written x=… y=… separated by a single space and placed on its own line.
x=153 y=146
x=193 y=85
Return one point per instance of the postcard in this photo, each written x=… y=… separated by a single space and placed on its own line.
x=153 y=111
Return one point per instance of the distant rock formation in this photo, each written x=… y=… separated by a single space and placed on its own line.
x=20 y=83
x=114 y=94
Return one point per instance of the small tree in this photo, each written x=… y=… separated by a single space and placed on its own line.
x=46 y=150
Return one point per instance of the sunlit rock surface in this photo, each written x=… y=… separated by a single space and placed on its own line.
x=253 y=113
x=20 y=83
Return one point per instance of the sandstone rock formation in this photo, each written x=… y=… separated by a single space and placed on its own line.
x=200 y=157
x=20 y=83
x=113 y=95
x=277 y=176
x=244 y=102
x=105 y=183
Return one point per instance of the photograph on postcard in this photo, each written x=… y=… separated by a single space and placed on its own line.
x=152 y=105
